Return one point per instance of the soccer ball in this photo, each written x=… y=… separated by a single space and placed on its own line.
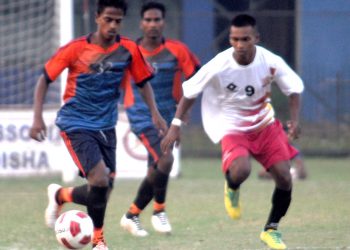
x=74 y=229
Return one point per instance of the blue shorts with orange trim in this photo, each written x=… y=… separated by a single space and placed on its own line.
x=88 y=147
x=268 y=146
x=151 y=139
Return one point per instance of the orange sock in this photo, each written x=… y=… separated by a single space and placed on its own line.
x=158 y=207
x=134 y=209
x=65 y=195
x=98 y=236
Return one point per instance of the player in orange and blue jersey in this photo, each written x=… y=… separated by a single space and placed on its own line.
x=172 y=61
x=97 y=66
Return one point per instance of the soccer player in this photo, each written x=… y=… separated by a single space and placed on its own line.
x=171 y=60
x=97 y=64
x=237 y=112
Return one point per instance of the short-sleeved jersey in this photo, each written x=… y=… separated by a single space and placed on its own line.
x=171 y=61
x=236 y=98
x=94 y=78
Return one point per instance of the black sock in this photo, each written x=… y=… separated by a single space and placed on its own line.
x=96 y=204
x=160 y=186
x=80 y=194
x=280 y=203
x=144 y=194
x=230 y=183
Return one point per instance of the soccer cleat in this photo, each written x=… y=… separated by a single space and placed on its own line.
x=133 y=226
x=161 y=223
x=273 y=239
x=232 y=204
x=98 y=241
x=53 y=208
x=100 y=246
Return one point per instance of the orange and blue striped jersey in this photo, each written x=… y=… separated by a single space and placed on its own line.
x=94 y=78
x=172 y=61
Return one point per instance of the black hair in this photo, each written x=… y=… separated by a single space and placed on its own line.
x=119 y=4
x=243 y=20
x=152 y=5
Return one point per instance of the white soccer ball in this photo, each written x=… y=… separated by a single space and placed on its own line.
x=74 y=229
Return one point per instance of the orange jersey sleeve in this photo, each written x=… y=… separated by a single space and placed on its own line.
x=139 y=69
x=188 y=62
x=62 y=59
x=188 y=65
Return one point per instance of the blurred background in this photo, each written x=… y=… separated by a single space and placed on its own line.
x=311 y=35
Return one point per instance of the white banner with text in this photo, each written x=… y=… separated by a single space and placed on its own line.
x=22 y=156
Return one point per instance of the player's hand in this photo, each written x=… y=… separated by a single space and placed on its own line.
x=38 y=130
x=160 y=124
x=293 y=130
x=173 y=136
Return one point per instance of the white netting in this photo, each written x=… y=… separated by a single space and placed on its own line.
x=29 y=35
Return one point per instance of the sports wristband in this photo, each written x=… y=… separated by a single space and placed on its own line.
x=176 y=122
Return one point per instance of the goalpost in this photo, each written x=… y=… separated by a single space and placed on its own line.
x=32 y=30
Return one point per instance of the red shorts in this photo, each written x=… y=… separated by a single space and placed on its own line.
x=268 y=146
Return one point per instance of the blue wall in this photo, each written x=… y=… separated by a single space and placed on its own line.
x=198 y=27
x=198 y=34
x=325 y=56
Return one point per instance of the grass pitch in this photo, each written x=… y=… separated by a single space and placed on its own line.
x=319 y=216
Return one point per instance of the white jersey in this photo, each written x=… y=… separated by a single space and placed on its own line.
x=236 y=98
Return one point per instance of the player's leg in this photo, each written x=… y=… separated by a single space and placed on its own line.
x=58 y=195
x=275 y=155
x=91 y=150
x=78 y=194
x=282 y=194
x=154 y=185
x=236 y=166
x=98 y=179
x=160 y=176
x=101 y=182
x=238 y=171
x=131 y=220
x=281 y=199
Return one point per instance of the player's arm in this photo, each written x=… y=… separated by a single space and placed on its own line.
x=191 y=89
x=294 y=101
x=147 y=94
x=292 y=86
x=52 y=69
x=38 y=129
x=189 y=64
x=173 y=135
x=194 y=65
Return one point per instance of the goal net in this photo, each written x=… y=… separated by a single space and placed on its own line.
x=29 y=35
x=31 y=31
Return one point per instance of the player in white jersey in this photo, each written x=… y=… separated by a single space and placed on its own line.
x=236 y=112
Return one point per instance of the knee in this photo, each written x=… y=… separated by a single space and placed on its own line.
x=165 y=163
x=99 y=177
x=239 y=171
x=284 y=181
x=244 y=173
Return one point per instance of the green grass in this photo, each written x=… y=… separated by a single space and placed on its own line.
x=319 y=217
